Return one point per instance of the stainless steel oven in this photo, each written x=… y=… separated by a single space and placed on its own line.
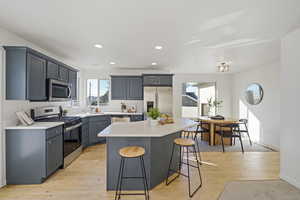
x=72 y=140
x=72 y=130
x=58 y=90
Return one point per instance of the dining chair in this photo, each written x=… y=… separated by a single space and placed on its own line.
x=231 y=130
x=244 y=123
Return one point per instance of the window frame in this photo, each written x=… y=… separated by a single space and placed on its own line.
x=98 y=92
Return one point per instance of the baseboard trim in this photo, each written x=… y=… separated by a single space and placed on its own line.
x=290 y=180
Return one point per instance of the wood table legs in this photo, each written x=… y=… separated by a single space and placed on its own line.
x=212 y=134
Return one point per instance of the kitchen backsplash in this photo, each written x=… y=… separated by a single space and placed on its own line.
x=112 y=106
x=11 y=107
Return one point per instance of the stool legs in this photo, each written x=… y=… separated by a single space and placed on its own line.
x=198 y=148
x=119 y=183
x=199 y=173
x=121 y=177
x=191 y=194
x=169 y=169
x=146 y=192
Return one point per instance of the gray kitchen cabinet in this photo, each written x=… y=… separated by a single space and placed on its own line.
x=52 y=70
x=39 y=153
x=126 y=88
x=118 y=88
x=158 y=80
x=96 y=125
x=85 y=135
x=27 y=71
x=135 y=118
x=54 y=153
x=36 y=78
x=73 y=82
x=135 y=88
x=63 y=74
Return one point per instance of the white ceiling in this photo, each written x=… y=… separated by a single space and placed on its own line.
x=195 y=34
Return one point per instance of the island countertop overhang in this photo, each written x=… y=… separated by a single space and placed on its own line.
x=143 y=129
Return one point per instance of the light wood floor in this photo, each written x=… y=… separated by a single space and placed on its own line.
x=84 y=179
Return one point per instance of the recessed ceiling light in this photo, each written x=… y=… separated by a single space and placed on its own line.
x=98 y=46
x=154 y=63
x=112 y=63
x=158 y=47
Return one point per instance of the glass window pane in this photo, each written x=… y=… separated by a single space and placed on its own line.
x=103 y=91
x=92 y=92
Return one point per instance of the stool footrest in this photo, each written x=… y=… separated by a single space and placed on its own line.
x=133 y=177
x=189 y=164
x=132 y=194
x=178 y=172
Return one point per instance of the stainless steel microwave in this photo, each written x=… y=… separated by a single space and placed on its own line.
x=58 y=90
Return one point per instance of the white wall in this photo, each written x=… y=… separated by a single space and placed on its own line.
x=223 y=86
x=290 y=112
x=264 y=119
x=10 y=107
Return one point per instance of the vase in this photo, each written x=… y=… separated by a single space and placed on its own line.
x=153 y=122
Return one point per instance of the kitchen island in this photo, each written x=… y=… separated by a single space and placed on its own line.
x=157 y=141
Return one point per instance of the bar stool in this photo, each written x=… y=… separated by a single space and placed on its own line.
x=131 y=152
x=193 y=134
x=184 y=143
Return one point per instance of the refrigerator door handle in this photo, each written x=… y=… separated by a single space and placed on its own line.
x=156 y=98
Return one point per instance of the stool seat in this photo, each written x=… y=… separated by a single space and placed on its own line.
x=184 y=142
x=132 y=151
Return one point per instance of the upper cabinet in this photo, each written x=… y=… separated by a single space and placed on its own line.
x=118 y=88
x=27 y=72
x=63 y=74
x=135 y=88
x=36 y=78
x=126 y=88
x=73 y=81
x=161 y=80
x=52 y=70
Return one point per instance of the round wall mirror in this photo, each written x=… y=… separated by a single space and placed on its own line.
x=254 y=94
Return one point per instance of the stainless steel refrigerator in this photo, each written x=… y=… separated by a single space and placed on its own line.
x=159 y=97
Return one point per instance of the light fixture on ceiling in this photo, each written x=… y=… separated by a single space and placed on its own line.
x=99 y=46
x=154 y=64
x=158 y=47
x=112 y=63
x=223 y=67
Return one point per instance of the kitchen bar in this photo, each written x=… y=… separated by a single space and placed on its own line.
x=156 y=140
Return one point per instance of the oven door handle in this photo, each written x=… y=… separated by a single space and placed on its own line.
x=70 y=92
x=73 y=127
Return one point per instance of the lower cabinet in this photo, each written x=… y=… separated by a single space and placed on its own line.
x=85 y=134
x=33 y=154
x=91 y=127
x=96 y=125
x=135 y=118
x=54 y=153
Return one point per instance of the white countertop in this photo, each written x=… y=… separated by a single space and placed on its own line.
x=122 y=113
x=36 y=125
x=83 y=115
x=143 y=129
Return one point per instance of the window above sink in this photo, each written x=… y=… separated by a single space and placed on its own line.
x=98 y=92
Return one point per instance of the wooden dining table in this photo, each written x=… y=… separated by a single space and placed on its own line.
x=212 y=128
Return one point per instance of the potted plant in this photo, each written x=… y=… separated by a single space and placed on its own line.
x=213 y=103
x=153 y=114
